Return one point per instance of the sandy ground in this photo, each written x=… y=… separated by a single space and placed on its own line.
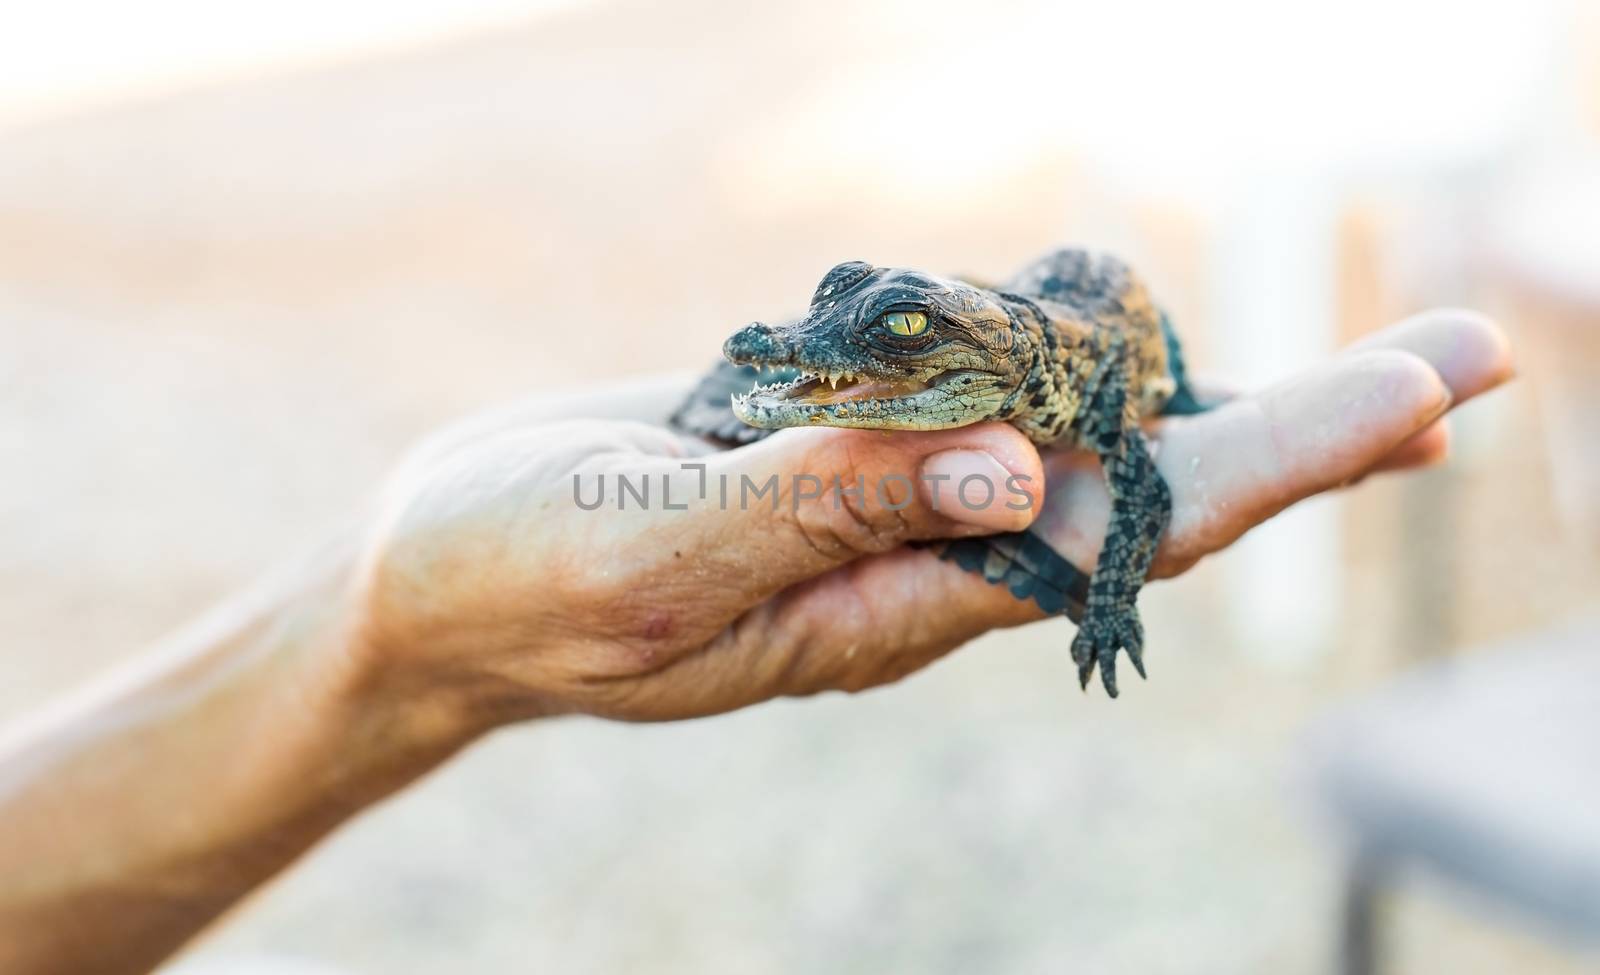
x=225 y=313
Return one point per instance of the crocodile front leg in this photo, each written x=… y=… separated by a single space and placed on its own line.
x=1141 y=506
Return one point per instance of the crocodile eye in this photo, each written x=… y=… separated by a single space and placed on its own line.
x=905 y=322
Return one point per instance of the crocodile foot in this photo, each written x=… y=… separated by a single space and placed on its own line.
x=1104 y=631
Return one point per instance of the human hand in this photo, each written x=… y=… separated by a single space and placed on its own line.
x=1377 y=406
x=486 y=584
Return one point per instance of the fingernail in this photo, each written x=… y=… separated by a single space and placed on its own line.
x=971 y=487
x=1447 y=402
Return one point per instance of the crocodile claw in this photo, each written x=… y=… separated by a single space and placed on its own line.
x=1102 y=633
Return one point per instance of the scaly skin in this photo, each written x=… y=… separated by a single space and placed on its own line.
x=1071 y=351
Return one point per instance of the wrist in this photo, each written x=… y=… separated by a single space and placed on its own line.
x=438 y=639
x=382 y=718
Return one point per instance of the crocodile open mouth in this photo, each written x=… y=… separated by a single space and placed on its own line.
x=838 y=398
x=825 y=389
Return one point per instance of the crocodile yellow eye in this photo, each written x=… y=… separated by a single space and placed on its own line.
x=906 y=322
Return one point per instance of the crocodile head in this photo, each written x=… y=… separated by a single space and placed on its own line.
x=884 y=349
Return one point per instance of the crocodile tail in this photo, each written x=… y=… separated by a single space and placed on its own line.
x=1183 y=401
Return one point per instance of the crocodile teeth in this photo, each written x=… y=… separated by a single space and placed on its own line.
x=833 y=380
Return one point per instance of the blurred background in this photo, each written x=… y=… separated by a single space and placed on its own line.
x=248 y=253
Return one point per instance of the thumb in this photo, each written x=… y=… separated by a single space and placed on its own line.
x=805 y=501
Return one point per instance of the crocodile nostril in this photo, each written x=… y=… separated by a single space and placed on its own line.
x=755 y=342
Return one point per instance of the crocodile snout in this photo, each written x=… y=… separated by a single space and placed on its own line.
x=756 y=343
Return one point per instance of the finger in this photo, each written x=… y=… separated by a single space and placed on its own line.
x=1468 y=350
x=884 y=618
x=805 y=501
x=1234 y=468
x=1428 y=448
x=1237 y=465
x=870 y=623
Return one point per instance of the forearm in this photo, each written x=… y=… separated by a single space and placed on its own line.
x=139 y=810
x=136 y=813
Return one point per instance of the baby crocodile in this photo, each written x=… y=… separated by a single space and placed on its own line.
x=1071 y=351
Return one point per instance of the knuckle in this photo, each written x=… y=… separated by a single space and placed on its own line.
x=846 y=522
x=857 y=680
